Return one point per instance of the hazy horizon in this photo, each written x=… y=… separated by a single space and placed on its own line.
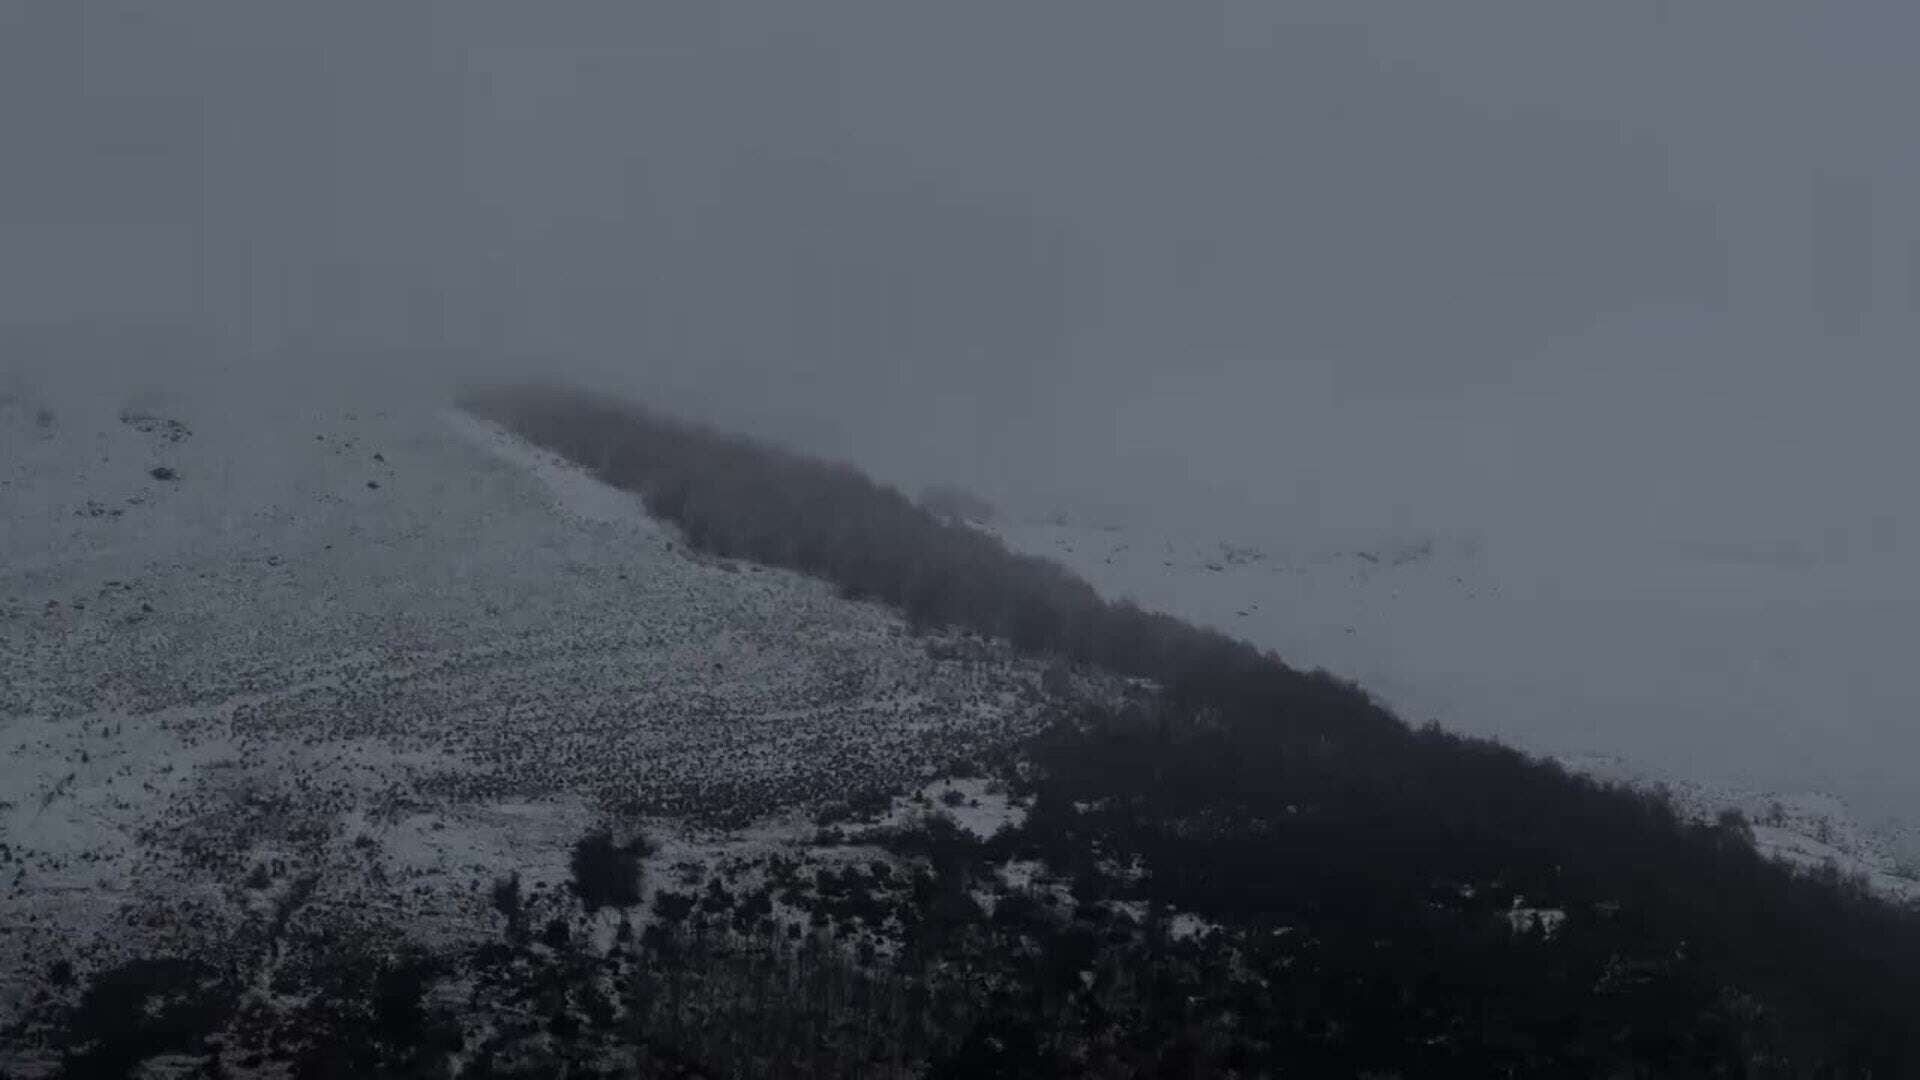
x=1605 y=287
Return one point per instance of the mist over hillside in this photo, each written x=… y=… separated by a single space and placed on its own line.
x=1195 y=793
x=316 y=698
x=1542 y=370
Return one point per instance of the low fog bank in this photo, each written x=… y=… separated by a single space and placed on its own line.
x=1622 y=298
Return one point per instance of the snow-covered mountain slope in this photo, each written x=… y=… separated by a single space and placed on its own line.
x=271 y=656
x=1806 y=829
x=1619 y=683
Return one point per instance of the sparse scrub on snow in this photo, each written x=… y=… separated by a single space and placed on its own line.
x=1249 y=793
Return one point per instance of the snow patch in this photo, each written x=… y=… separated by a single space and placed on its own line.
x=576 y=492
x=1526 y=920
x=979 y=807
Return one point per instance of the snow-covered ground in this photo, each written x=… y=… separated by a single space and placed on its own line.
x=1736 y=682
x=352 y=653
x=978 y=807
x=284 y=659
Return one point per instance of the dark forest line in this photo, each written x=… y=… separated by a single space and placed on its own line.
x=1262 y=796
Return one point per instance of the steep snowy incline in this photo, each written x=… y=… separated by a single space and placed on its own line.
x=1681 y=673
x=297 y=656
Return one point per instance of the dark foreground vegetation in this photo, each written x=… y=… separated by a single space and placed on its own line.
x=1262 y=797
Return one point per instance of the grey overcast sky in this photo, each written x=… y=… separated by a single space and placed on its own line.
x=1454 y=264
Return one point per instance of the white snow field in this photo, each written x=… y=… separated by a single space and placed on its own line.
x=1734 y=683
x=361 y=655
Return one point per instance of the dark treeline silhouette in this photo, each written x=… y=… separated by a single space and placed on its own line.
x=1261 y=796
x=740 y=499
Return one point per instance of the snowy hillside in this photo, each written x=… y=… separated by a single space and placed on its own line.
x=293 y=663
x=311 y=701
x=1442 y=627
